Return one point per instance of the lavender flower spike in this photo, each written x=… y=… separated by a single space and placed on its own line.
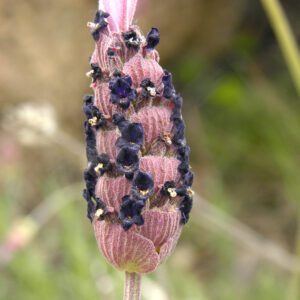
x=138 y=178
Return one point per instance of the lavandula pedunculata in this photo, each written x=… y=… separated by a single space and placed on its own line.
x=138 y=179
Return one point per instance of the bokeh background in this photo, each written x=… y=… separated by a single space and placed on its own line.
x=243 y=125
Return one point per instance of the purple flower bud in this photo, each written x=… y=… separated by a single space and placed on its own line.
x=169 y=91
x=152 y=38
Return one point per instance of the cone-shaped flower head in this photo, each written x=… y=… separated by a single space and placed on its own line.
x=138 y=178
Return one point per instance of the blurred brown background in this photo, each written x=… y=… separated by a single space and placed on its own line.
x=243 y=124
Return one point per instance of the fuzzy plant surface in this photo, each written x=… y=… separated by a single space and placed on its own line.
x=138 y=178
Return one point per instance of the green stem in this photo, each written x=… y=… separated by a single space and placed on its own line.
x=285 y=37
x=132 y=286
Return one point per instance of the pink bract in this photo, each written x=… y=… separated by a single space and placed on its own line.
x=140 y=249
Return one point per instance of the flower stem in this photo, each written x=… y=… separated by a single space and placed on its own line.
x=132 y=286
x=286 y=39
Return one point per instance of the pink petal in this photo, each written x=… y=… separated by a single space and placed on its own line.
x=140 y=68
x=121 y=13
x=111 y=190
x=162 y=169
x=159 y=226
x=155 y=121
x=125 y=250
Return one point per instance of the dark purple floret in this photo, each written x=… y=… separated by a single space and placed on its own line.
x=148 y=88
x=167 y=186
x=185 y=209
x=120 y=121
x=169 y=90
x=127 y=160
x=132 y=135
x=152 y=38
x=92 y=207
x=90 y=204
x=176 y=112
x=183 y=168
x=131 y=39
x=102 y=164
x=121 y=92
x=131 y=212
x=182 y=191
x=94 y=116
x=100 y=23
x=88 y=103
x=90 y=178
x=177 y=101
x=183 y=153
x=178 y=130
x=90 y=140
x=88 y=100
x=101 y=205
x=110 y=52
x=142 y=186
x=97 y=72
x=188 y=178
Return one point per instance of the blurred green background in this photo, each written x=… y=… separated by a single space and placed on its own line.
x=243 y=124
